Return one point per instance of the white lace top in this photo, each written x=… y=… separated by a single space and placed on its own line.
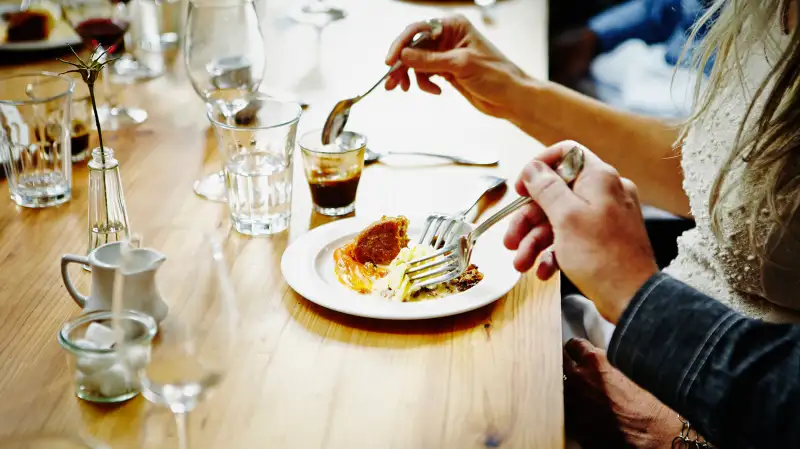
x=730 y=271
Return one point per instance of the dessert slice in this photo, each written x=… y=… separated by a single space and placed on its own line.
x=29 y=25
x=381 y=241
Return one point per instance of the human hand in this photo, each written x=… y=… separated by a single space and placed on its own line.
x=596 y=229
x=463 y=57
x=603 y=408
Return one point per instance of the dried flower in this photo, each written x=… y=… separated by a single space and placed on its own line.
x=90 y=71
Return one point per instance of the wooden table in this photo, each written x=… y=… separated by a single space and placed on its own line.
x=308 y=377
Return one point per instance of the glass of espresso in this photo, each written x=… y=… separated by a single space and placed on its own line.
x=333 y=171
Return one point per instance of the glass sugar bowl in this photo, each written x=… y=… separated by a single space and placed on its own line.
x=104 y=372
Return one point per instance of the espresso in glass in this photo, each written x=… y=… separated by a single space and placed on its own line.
x=333 y=171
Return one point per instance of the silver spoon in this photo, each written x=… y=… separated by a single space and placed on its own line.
x=337 y=119
x=373 y=156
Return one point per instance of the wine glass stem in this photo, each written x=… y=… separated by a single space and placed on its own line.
x=111 y=95
x=181 y=421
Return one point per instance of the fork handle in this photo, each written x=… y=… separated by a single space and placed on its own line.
x=501 y=214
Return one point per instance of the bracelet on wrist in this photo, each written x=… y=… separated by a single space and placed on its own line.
x=689 y=438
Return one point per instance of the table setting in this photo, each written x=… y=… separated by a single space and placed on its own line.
x=251 y=263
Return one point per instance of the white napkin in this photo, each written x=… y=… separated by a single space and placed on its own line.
x=580 y=318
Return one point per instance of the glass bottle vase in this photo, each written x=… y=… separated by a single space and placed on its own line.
x=108 y=215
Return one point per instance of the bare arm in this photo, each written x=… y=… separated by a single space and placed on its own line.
x=641 y=148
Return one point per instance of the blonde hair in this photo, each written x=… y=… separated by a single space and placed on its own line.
x=767 y=141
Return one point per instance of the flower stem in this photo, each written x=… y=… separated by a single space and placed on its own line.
x=102 y=148
x=97 y=123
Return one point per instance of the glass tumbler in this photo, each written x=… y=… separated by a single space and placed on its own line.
x=256 y=137
x=333 y=171
x=35 y=144
x=102 y=371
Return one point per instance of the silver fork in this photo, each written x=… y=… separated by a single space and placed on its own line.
x=452 y=260
x=441 y=227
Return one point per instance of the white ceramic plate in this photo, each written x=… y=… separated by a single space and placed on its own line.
x=61 y=36
x=307 y=266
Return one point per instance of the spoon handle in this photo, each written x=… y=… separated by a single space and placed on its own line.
x=419 y=38
x=456 y=159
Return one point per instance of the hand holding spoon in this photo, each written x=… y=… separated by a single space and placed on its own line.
x=337 y=119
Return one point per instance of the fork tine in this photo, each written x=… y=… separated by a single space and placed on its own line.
x=427 y=228
x=434 y=238
x=441 y=252
x=429 y=265
x=446 y=278
x=453 y=265
x=443 y=236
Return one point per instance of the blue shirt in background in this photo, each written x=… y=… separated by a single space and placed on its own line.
x=653 y=21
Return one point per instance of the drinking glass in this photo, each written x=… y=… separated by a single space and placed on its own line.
x=106 y=23
x=164 y=28
x=35 y=144
x=319 y=13
x=102 y=372
x=196 y=341
x=333 y=171
x=256 y=140
x=223 y=49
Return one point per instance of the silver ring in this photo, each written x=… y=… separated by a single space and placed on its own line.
x=436 y=26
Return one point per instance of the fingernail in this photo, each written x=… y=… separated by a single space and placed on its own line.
x=534 y=168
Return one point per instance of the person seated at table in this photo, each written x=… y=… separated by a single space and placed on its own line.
x=737 y=162
x=628 y=56
x=734 y=378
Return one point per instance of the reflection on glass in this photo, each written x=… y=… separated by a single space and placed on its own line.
x=236 y=61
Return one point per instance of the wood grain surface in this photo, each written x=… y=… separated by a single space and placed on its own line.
x=305 y=377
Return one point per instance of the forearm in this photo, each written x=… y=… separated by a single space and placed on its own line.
x=732 y=377
x=641 y=148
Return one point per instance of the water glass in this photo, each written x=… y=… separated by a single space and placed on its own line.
x=333 y=171
x=35 y=146
x=256 y=137
x=103 y=371
x=162 y=24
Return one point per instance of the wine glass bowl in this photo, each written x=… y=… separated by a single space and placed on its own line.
x=105 y=24
x=196 y=340
x=213 y=64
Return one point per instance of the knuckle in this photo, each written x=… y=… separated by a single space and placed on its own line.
x=610 y=173
x=630 y=187
x=570 y=217
x=464 y=59
x=460 y=19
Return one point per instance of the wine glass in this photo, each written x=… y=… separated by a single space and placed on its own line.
x=195 y=344
x=319 y=13
x=223 y=49
x=105 y=24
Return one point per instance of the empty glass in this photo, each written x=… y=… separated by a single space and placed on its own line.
x=234 y=61
x=196 y=342
x=256 y=136
x=106 y=23
x=333 y=171
x=35 y=146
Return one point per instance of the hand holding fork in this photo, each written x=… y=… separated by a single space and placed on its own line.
x=452 y=260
